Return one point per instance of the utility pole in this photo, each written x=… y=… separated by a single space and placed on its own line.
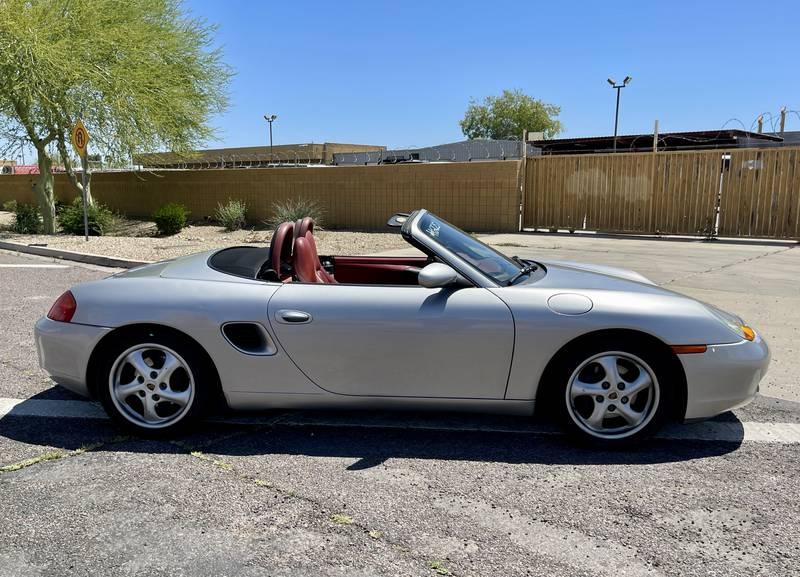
x=760 y=120
x=618 y=88
x=655 y=137
x=270 y=118
x=522 y=180
x=783 y=119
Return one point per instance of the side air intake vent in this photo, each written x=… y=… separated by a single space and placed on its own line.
x=249 y=338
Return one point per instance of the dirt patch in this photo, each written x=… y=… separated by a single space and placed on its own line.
x=137 y=240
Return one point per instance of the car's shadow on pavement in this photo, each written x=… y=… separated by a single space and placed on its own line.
x=371 y=447
x=370 y=438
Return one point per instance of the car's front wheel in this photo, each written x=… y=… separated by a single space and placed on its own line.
x=616 y=392
x=153 y=384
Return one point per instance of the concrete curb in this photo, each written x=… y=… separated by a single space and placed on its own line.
x=87 y=258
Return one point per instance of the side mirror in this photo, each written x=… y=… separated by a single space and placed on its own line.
x=398 y=220
x=438 y=275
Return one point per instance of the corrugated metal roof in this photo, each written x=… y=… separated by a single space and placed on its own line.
x=694 y=140
x=26 y=169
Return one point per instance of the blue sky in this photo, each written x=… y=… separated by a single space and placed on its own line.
x=402 y=73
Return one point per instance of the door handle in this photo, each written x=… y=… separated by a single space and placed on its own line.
x=288 y=316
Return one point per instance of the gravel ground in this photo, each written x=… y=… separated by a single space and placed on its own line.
x=278 y=501
x=77 y=499
x=25 y=295
x=140 y=242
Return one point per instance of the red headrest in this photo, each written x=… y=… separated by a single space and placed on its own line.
x=303 y=226
x=305 y=261
x=281 y=245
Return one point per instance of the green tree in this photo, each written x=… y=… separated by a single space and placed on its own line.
x=143 y=75
x=508 y=115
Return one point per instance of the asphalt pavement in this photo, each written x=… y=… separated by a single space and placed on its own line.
x=313 y=493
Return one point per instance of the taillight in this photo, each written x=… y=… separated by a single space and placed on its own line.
x=63 y=309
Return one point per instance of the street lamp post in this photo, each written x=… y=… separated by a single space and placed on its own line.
x=270 y=119
x=618 y=88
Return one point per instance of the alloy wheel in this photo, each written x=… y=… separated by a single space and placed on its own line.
x=152 y=386
x=612 y=395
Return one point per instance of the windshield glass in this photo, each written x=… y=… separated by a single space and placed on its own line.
x=490 y=262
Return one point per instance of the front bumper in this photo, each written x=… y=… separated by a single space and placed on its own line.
x=725 y=377
x=64 y=350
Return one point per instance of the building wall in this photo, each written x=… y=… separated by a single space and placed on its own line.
x=465 y=151
x=252 y=156
x=479 y=197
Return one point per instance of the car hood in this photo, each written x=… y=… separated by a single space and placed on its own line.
x=620 y=273
x=577 y=276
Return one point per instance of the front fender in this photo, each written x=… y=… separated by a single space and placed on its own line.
x=540 y=332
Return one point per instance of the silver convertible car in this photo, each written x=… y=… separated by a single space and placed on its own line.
x=460 y=327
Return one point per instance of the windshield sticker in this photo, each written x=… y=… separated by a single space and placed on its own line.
x=433 y=229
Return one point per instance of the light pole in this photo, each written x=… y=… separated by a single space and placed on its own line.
x=270 y=119
x=618 y=87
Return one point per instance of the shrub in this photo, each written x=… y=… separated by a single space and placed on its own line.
x=101 y=219
x=294 y=209
x=27 y=219
x=170 y=218
x=231 y=215
x=10 y=206
x=60 y=206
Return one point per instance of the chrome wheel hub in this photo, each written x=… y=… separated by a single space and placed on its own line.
x=151 y=386
x=612 y=395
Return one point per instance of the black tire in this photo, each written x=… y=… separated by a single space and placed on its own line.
x=632 y=358
x=197 y=370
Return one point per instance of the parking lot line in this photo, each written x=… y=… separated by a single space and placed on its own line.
x=719 y=431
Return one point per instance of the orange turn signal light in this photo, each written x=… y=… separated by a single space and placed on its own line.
x=748 y=333
x=688 y=349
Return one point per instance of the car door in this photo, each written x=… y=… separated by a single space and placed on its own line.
x=405 y=341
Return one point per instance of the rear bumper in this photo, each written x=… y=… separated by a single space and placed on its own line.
x=725 y=377
x=64 y=350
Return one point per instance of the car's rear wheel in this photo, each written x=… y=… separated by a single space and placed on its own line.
x=153 y=384
x=615 y=393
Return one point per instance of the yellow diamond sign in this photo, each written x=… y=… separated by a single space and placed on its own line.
x=80 y=138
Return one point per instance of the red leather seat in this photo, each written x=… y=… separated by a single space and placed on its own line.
x=281 y=250
x=307 y=267
x=304 y=229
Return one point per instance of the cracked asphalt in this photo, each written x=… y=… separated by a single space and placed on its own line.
x=77 y=498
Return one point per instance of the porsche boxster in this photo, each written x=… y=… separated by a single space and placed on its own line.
x=461 y=326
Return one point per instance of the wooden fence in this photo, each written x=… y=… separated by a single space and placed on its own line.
x=761 y=194
x=637 y=193
x=739 y=192
x=480 y=196
x=753 y=192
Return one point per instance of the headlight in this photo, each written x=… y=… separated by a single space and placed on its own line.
x=734 y=323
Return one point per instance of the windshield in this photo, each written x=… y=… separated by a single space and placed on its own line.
x=493 y=264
